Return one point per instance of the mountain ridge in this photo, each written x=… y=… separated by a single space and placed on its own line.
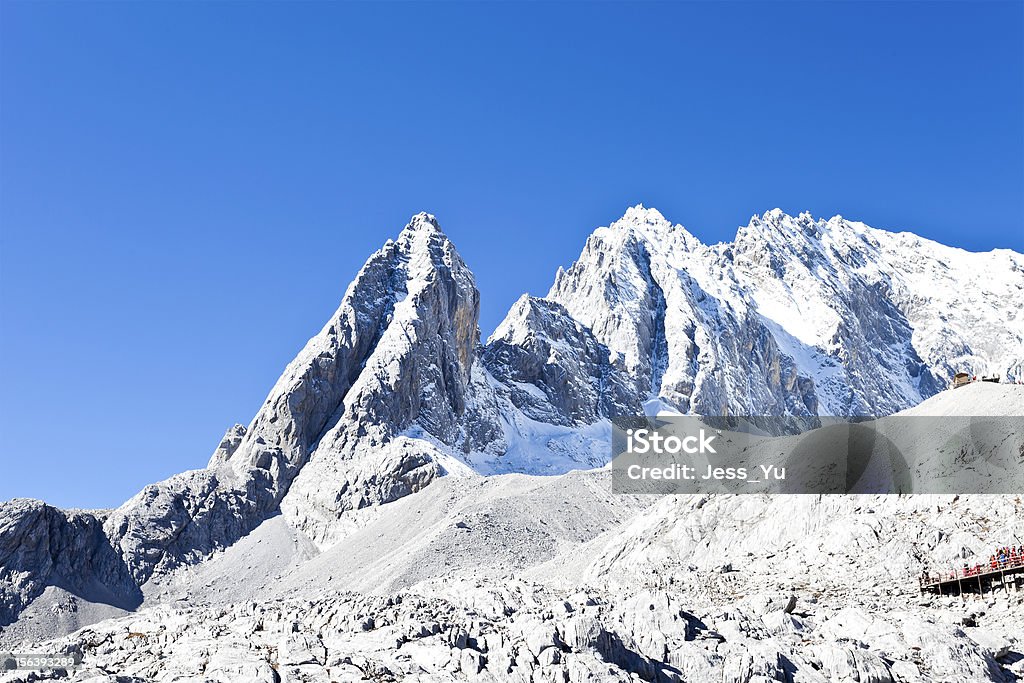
x=397 y=389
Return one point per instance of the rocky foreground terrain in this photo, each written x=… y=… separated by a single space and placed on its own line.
x=517 y=577
x=411 y=504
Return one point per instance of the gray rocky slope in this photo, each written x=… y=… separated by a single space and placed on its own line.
x=396 y=389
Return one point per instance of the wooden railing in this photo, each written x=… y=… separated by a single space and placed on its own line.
x=1013 y=561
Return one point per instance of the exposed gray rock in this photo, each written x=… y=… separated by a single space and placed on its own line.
x=664 y=306
x=184 y=518
x=555 y=369
x=418 y=380
x=228 y=445
x=399 y=351
x=42 y=546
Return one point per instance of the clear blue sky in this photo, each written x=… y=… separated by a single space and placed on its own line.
x=186 y=189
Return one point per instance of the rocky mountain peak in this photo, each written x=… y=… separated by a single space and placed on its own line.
x=641 y=215
x=422 y=221
x=415 y=377
x=555 y=369
x=648 y=225
x=398 y=350
x=777 y=225
x=517 y=323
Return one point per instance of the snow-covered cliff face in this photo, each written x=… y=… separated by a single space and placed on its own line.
x=795 y=316
x=676 y=320
x=555 y=369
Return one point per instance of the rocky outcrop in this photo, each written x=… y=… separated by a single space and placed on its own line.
x=555 y=370
x=42 y=546
x=227 y=446
x=185 y=518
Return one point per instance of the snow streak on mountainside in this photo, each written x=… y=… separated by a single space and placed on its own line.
x=795 y=316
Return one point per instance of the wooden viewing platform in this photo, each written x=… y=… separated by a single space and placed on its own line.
x=988 y=577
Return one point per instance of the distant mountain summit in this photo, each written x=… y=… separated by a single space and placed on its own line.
x=796 y=317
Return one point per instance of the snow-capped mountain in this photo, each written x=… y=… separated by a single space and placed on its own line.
x=795 y=317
